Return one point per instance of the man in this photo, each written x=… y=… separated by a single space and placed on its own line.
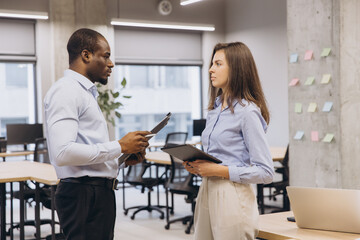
x=79 y=147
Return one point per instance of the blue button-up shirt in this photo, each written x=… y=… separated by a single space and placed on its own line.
x=238 y=140
x=76 y=130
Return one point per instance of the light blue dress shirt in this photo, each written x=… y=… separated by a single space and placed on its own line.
x=76 y=130
x=238 y=140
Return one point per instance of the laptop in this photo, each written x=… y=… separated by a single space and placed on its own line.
x=325 y=208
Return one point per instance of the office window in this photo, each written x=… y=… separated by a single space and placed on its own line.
x=156 y=90
x=17 y=94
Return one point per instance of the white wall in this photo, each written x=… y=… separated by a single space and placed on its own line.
x=261 y=25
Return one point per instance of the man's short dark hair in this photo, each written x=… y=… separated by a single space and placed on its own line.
x=81 y=39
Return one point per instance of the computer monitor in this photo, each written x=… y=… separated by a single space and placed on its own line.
x=24 y=134
x=198 y=126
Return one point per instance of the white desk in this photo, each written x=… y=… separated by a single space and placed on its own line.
x=276 y=227
x=20 y=172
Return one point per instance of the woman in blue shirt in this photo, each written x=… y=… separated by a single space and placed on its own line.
x=236 y=124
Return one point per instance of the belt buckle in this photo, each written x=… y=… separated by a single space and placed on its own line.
x=115 y=183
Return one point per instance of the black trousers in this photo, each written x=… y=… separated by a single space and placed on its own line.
x=86 y=212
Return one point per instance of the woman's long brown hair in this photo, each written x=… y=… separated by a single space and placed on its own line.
x=244 y=82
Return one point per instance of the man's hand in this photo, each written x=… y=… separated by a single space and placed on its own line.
x=135 y=158
x=134 y=142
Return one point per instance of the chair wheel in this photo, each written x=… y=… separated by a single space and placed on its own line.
x=132 y=217
x=167 y=226
x=172 y=212
x=187 y=231
x=162 y=217
x=125 y=212
x=184 y=222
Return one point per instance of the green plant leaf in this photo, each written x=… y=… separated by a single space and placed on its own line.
x=126 y=96
x=123 y=82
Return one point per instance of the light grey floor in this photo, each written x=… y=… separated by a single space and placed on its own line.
x=145 y=225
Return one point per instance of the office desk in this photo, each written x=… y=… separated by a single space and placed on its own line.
x=276 y=227
x=20 y=172
x=159 y=157
x=15 y=154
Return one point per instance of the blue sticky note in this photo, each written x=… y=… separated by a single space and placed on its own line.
x=299 y=135
x=293 y=58
x=327 y=107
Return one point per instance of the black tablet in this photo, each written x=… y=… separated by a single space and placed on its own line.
x=188 y=152
x=155 y=130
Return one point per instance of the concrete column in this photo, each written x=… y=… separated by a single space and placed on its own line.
x=350 y=92
x=69 y=15
x=314 y=25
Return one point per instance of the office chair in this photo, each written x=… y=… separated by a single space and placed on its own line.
x=181 y=182
x=276 y=188
x=140 y=175
x=136 y=176
x=40 y=155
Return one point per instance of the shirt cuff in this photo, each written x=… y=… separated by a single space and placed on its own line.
x=234 y=174
x=114 y=149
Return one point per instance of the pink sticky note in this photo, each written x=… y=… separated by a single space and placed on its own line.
x=308 y=55
x=314 y=136
x=294 y=81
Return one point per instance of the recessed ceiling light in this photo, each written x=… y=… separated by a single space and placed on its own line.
x=186 y=2
x=23 y=14
x=164 y=25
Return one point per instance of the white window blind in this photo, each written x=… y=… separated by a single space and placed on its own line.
x=134 y=46
x=17 y=37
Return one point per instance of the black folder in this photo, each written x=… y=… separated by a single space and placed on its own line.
x=187 y=152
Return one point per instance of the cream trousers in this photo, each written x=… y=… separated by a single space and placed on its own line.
x=225 y=210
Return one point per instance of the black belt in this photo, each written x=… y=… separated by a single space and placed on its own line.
x=94 y=181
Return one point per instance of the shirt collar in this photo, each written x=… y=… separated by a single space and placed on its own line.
x=218 y=102
x=84 y=81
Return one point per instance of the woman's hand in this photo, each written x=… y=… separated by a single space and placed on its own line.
x=206 y=168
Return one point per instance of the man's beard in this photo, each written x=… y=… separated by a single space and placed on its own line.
x=103 y=81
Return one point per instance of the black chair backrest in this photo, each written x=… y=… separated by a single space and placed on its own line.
x=17 y=134
x=175 y=138
x=3 y=144
x=41 y=151
x=198 y=126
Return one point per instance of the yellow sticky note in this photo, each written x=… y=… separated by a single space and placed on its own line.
x=328 y=137
x=326 y=79
x=298 y=107
x=310 y=80
x=312 y=107
x=325 y=52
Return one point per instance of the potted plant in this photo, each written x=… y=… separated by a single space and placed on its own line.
x=108 y=101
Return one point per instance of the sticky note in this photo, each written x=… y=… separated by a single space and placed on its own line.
x=326 y=79
x=328 y=137
x=298 y=107
x=294 y=81
x=293 y=58
x=314 y=136
x=327 y=107
x=308 y=55
x=312 y=107
x=299 y=135
x=310 y=80
x=325 y=52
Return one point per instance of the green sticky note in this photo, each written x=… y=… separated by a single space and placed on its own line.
x=326 y=79
x=325 y=52
x=328 y=137
x=312 y=107
x=298 y=107
x=310 y=80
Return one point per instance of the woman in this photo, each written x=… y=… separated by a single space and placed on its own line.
x=226 y=207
